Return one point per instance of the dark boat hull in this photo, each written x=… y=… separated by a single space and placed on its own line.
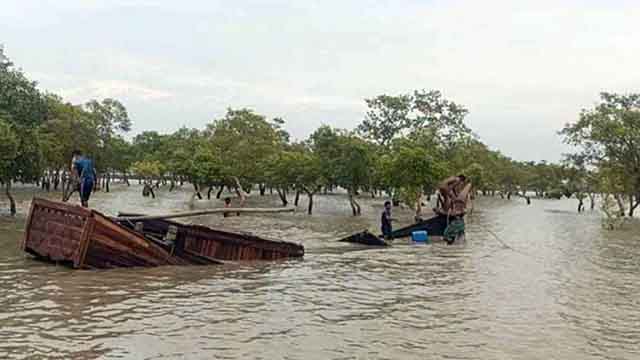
x=434 y=226
x=365 y=238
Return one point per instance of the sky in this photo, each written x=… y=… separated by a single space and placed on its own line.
x=523 y=68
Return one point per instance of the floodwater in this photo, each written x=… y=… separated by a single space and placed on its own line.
x=531 y=282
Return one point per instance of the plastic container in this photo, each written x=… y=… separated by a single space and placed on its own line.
x=420 y=236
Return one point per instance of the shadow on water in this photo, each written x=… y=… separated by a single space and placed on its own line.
x=530 y=282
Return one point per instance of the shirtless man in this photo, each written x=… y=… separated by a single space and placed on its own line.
x=452 y=196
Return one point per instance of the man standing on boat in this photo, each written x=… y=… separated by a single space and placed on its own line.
x=452 y=195
x=385 y=221
x=82 y=166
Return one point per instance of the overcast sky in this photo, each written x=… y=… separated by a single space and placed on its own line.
x=523 y=68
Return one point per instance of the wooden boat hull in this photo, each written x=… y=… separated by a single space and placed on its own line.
x=84 y=238
x=217 y=244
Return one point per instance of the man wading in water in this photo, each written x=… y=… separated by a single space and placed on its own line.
x=453 y=195
x=83 y=168
x=385 y=220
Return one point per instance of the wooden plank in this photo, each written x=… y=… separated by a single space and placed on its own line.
x=203 y=212
x=85 y=240
x=67 y=208
x=27 y=232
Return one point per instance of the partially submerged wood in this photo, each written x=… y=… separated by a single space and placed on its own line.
x=84 y=238
x=215 y=243
x=203 y=212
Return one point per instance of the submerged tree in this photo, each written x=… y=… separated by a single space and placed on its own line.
x=610 y=133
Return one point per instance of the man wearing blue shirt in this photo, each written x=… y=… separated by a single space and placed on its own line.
x=83 y=167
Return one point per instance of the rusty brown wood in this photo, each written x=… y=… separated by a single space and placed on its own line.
x=27 y=232
x=85 y=240
x=204 y=212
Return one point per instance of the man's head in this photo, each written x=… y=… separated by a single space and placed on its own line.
x=387 y=205
x=462 y=178
x=227 y=200
x=76 y=153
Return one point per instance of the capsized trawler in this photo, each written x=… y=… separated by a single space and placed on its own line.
x=87 y=239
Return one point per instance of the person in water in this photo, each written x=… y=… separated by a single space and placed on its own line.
x=227 y=204
x=82 y=166
x=385 y=221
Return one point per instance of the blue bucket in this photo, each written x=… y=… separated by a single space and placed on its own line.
x=420 y=237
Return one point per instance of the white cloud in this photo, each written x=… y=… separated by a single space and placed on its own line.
x=524 y=68
x=100 y=89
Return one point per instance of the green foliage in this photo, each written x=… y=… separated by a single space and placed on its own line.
x=390 y=117
x=608 y=136
x=148 y=169
x=412 y=169
x=245 y=142
x=8 y=150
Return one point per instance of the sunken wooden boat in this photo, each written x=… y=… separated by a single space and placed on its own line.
x=86 y=239
x=434 y=226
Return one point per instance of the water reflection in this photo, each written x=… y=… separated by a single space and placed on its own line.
x=528 y=284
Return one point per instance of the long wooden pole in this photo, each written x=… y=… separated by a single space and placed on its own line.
x=204 y=212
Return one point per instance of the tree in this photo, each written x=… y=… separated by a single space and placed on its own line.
x=389 y=117
x=148 y=170
x=8 y=155
x=414 y=170
x=610 y=134
x=22 y=110
x=111 y=119
x=245 y=142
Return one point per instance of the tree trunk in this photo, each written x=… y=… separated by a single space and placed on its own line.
x=633 y=204
x=107 y=182
x=297 y=199
x=173 y=185
x=620 y=202
x=580 y=205
x=196 y=188
x=209 y=192
x=283 y=196
x=310 y=207
x=148 y=190
x=592 y=200
x=219 y=194
x=126 y=179
x=262 y=188
x=56 y=180
x=12 y=202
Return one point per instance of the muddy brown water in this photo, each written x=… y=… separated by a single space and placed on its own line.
x=531 y=282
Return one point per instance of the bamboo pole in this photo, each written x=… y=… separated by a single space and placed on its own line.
x=203 y=212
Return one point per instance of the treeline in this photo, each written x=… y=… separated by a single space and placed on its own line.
x=402 y=148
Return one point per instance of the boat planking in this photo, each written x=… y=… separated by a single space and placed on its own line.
x=214 y=243
x=82 y=238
